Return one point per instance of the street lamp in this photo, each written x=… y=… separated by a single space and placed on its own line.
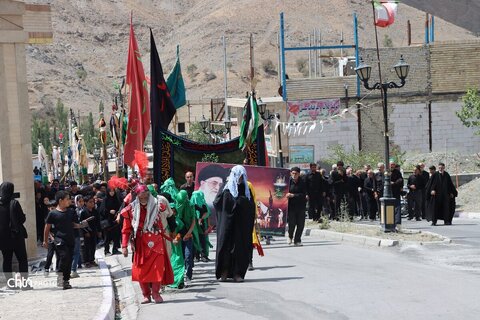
x=205 y=124
x=387 y=212
x=267 y=116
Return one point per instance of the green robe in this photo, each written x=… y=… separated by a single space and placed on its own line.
x=198 y=199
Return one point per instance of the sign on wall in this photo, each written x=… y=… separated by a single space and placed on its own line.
x=311 y=110
x=301 y=154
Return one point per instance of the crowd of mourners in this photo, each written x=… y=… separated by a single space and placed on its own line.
x=344 y=194
x=168 y=227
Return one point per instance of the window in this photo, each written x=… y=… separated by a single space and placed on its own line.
x=181 y=127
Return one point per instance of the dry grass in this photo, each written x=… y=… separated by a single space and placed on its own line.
x=376 y=232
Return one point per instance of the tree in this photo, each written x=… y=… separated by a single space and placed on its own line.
x=61 y=118
x=90 y=133
x=101 y=107
x=469 y=114
x=196 y=133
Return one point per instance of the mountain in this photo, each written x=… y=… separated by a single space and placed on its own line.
x=89 y=50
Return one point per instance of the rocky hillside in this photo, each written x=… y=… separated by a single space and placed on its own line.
x=88 y=54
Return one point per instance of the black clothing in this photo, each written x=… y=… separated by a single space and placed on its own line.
x=296 y=209
x=379 y=179
x=296 y=219
x=415 y=196
x=63 y=231
x=18 y=247
x=90 y=234
x=65 y=256
x=41 y=212
x=235 y=218
x=439 y=205
x=12 y=231
x=369 y=189
x=396 y=180
x=188 y=188
x=314 y=183
x=354 y=183
x=340 y=190
x=112 y=233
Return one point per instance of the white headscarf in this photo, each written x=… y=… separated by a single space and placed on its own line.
x=232 y=181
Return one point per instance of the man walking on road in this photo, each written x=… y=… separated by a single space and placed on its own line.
x=296 y=207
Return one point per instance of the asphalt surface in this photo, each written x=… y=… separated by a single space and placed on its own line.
x=328 y=280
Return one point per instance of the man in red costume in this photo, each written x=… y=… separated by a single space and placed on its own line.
x=143 y=228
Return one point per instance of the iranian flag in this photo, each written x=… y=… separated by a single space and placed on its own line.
x=385 y=12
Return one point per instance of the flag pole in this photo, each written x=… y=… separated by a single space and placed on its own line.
x=227 y=114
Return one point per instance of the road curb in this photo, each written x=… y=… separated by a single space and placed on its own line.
x=127 y=292
x=369 y=241
x=107 y=307
x=467 y=215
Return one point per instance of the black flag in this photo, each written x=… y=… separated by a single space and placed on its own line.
x=162 y=109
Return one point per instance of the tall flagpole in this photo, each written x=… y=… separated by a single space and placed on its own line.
x=227 y=113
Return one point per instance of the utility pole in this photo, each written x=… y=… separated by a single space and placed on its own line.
x=252 y=68
x=225 y=83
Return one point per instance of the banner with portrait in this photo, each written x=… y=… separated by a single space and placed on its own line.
x=270 y=184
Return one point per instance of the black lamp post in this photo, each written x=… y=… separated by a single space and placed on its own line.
x=265 y=114
x=387 y=212
x=205 y=124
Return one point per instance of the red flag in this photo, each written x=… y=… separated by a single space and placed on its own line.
x=139 y=101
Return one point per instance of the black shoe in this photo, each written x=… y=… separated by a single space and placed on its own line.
x=418 y=219
x=115 y=252
x=181 y=285
x=433 y=224
x=409 y=218
x=250 y=267
x=107 y=252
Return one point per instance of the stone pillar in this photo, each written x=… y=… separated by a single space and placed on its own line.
x=15 y=118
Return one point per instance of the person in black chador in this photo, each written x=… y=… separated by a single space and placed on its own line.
x=440 y=195
x=315 y=192
x=108 y=210
x=234 y=208
x=12 y=231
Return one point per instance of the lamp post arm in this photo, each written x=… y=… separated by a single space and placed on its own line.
x=376 y=86
x=393 y=85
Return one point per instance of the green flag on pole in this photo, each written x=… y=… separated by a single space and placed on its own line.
x=175 y=84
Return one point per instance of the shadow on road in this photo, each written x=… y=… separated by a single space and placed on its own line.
x=272 y=267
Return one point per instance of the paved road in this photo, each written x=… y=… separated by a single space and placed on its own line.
x=327 y=280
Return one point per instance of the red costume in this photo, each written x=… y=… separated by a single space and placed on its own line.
x=151 y=265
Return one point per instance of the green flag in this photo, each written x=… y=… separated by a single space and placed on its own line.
x=175 y=84
x=248 y=130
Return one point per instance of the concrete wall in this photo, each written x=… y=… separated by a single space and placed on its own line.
x=15 y=119
x=409 y=127
x=344 y=132
x=447 y=128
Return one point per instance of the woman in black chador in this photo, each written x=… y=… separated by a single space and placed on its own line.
x=235 y=209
